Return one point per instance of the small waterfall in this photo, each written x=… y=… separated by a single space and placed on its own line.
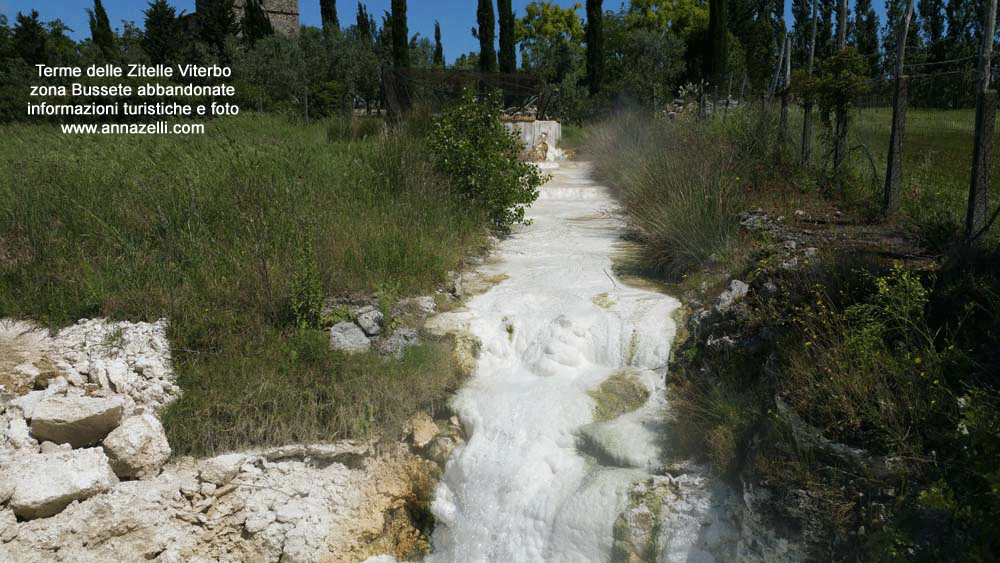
x=540 y=480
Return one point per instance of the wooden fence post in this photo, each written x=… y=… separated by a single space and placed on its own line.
x=786 y=83
x=982 y=151
x=894 y=166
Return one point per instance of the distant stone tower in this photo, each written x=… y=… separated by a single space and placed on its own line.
x=284 y=14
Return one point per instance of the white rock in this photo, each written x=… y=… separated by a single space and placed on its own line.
x=370 y=321
x=422 y=429
x=6 y=487
x=737 y=289
x=118 y=376
x=188 y=486
x=50 y=447
x=29 y=401
x=221 y=469
x=257 y=522
x=44 y=484
x=397 y=342
x=8 y=525
x=138 y=448
x=79 y=421
x=18 y=435
x=348 y=337
x=289 y=512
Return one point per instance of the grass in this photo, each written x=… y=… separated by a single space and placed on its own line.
x=937 y=165
x=677 y=185
x=217 y=233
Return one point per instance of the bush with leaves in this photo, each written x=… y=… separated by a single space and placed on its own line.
x=480 y=157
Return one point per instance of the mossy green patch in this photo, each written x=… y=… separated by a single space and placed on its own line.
x=620 y=393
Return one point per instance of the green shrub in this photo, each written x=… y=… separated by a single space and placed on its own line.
x=480 y=158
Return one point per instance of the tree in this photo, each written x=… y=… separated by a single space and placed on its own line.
x=365 y=25
x=718 y=32
x=895 y=11
x=484 y=33
x=438 y=49
x=825 y=45
x=679 y=17
x=100 y=30
x=29 y=39
x=594 y=33
x=400 y=53
x=328 y=13
x=216 y=22
x=60 y=48
x=643 y=65
x=508 y=55
x=545 y=23
x=865 y=35
x=468 y=61
x=753 y=45
x=161 y=39
x=255 y=24
x=421 y=52
x=801 y=30
x=6 y=46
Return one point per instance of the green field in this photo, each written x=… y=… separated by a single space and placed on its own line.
x=236 y=236
x=937 y=161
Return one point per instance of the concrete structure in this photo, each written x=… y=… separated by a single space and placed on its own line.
x=531 y=132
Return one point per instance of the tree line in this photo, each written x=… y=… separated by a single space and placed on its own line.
x=640 y=53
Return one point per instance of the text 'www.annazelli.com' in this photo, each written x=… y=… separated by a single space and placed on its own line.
x=158 y=128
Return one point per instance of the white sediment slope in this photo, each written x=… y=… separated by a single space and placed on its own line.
x=524 y=489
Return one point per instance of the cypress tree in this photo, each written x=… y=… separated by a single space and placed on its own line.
x=438 y=49
x=718 y=32
x=508 y=57
x=100 y=30
x=256 y=25
x=328 y=13
x=866 y=34
x=801 y=31
x=161 y=39
x=364 y=24
x=485 y=34
x=400 y=47
x=216 y=21
x=595 y=45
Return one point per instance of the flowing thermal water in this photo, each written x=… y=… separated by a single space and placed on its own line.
x=559 y=323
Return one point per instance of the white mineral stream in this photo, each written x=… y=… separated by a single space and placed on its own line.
x=558 y=324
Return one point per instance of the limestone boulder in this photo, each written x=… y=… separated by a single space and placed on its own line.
x=78 y=421
x=138 y=448
x=44 y=484
x=220 y=470
x=370 y=321
x=348 y=337
x=397 y=342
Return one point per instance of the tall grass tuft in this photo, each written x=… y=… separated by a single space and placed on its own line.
x=678 y=187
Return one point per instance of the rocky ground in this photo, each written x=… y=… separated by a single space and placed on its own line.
x=86 y=472
x=792 y=522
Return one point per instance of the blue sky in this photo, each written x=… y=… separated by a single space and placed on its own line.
x=457 y=18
